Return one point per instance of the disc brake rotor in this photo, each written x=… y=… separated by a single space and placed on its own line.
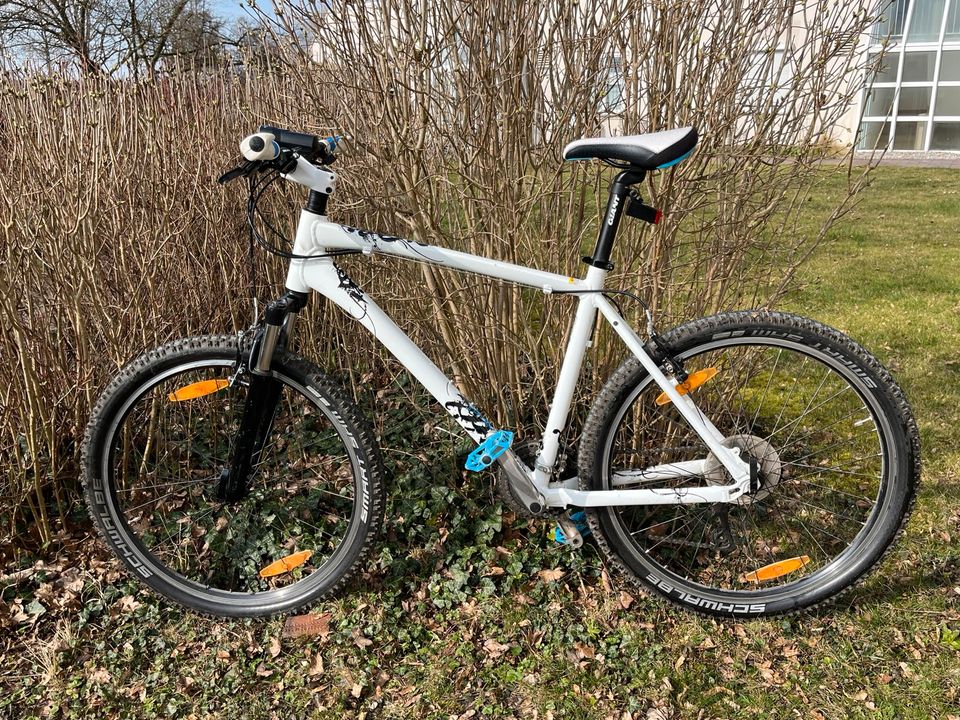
x=769 y=467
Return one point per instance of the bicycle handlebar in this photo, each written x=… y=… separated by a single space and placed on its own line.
x=276 y=148
x=305 y=145
x=268 y=141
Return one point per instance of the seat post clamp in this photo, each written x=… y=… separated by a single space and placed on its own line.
x=602 y=264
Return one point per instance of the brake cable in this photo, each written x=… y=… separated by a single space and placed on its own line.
x=256 y=189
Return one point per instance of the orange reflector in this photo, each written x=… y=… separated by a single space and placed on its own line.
x=775 y=570
x=197 y=389
x=286 y=564
x=693 y=381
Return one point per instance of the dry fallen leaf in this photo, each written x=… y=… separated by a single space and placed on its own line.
x=263 y=671
x=128 y=604
x=71 y=581
x=585 y=651
x=550 y=575
x=17 y=615
x=495 y=649
x=309 y=624
x=274 y=647
x=605 y=580
x=316 y=668
x=626 y=600
x=360 y=640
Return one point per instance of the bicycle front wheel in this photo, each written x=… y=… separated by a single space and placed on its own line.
x=835 y=447
x=155 y=450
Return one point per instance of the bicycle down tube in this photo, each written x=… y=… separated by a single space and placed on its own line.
x=316 y=235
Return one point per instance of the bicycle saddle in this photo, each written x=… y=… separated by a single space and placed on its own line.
x=647 y=152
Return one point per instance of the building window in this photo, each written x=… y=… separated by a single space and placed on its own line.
x=926 y=21
x=912 y=98
x=893 y=21
x=614 y=99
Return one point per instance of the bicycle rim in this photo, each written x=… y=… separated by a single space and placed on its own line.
x=821 y=443
x=163 y=460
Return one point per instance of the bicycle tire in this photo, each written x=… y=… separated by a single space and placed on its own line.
x=710 y=574
x=150 y=476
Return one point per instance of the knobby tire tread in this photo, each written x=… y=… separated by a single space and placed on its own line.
x=596 y=428
x=347 y=409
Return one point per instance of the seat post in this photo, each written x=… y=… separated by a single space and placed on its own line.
x=619 y=189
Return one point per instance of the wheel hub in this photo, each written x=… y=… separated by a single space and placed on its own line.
x=769 y=467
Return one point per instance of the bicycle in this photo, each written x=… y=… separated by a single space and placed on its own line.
x=745 y=464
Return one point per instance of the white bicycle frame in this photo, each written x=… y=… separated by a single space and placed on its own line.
x=317 y=236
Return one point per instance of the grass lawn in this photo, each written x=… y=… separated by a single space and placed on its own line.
x=455 y=616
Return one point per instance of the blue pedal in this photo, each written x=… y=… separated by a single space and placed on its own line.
x=580 y=520
x=489 y=450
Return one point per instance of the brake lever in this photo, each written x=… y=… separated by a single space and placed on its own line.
x=240 y=171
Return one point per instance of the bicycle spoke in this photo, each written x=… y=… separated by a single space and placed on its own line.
x=820 y=429
x=836 y=470
x=765 y=390
x=175 y=483
x=835 y=490
x=766 y=394
x=794 y=422
x=805 y=529
x=806 y=409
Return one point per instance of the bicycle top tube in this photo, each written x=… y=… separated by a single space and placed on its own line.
x=317 y=236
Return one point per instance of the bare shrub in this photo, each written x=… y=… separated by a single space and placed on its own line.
x=115 y=237
x=459 y=111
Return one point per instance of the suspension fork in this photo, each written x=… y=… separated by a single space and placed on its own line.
x=263 y=395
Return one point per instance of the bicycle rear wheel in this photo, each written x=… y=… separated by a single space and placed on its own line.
x=156 y=446
x=834 y=441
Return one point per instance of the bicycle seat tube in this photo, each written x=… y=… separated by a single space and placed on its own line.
x=584 y=323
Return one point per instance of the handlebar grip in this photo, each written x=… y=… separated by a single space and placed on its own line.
x=301 y=143
x=260 y=146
